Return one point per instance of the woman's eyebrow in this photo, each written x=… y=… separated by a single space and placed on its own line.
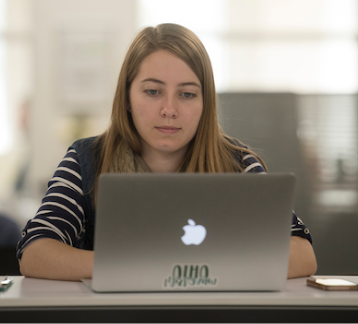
x=180 y=84
x=190 y=83
x=153 y=80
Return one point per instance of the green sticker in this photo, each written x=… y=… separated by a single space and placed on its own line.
x=190 y=276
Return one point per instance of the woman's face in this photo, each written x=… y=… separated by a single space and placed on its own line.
x=166 y=103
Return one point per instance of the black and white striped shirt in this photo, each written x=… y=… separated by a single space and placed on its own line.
x=62 y=217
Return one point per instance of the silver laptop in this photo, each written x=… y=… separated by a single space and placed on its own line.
x=192 y=232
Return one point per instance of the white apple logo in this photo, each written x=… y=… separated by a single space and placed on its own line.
x=194 y=234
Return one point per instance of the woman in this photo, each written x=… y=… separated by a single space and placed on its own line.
x=164 y=119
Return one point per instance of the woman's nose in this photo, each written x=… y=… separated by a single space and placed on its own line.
x=169 y=109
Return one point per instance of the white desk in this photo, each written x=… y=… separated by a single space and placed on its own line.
x=47 y=300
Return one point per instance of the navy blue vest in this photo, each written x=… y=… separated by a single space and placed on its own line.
x=87 y=155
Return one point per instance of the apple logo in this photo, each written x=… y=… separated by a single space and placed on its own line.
x=194 y=234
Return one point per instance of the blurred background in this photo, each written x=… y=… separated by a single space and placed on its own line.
x=286 y=73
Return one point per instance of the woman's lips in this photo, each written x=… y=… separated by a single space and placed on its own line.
x=168 y=129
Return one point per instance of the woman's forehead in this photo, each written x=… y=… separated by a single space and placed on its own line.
x=166 y=67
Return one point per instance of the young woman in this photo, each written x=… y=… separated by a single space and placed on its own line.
x=164 y=119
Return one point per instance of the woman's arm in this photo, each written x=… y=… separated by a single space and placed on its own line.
x=302 y=260
x=47 y=248
x=51 y=259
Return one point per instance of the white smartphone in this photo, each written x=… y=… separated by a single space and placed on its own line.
x=331 y=284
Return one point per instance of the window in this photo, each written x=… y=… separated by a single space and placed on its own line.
x=5 y=130
x=278 y=45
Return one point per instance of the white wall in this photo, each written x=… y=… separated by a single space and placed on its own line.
x=56 y=23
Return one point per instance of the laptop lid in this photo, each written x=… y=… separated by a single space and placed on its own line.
x=192 y=232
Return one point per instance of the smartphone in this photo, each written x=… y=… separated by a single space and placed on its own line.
x=331 y=284
x=6 y=283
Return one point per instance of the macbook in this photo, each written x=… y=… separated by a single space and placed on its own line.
x=192 y=232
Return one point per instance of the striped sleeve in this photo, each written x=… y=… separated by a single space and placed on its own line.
x=298 y=228
x=61 y=214
x=252 y=164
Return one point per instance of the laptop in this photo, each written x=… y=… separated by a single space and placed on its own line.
x=192 y=232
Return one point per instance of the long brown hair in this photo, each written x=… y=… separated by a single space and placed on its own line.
x=210 y=150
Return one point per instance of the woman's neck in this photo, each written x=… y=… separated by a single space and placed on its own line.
x=164 y=163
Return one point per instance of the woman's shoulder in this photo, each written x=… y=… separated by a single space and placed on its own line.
x=236 y=143
x=84 y=144
x=247 y=159
x=87 y=151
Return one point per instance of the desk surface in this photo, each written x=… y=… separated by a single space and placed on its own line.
x=27 y=294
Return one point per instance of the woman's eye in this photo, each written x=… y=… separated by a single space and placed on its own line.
x=188 y=95
x=152 y=92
